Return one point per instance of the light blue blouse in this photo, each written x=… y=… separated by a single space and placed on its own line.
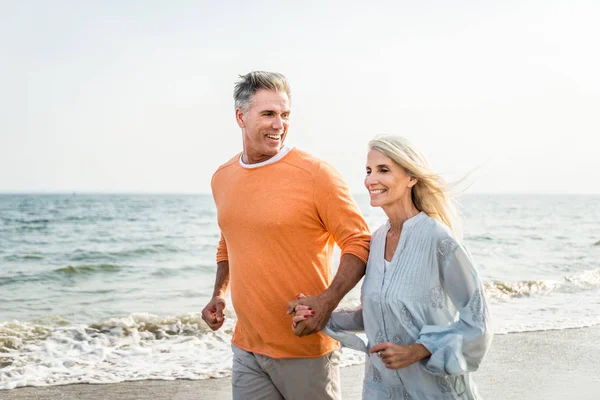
x=430 y=294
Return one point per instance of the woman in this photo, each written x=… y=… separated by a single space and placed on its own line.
x=423 y=306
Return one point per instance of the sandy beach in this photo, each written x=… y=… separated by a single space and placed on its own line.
x=547 y=365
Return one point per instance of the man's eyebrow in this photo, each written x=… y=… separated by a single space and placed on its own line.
x=269 y=110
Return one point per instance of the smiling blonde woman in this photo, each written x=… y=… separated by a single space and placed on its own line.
x=423 y=306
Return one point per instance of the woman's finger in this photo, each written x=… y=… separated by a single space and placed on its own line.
x=301 y=307
x=300 y=318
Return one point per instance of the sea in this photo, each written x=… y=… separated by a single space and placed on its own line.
x=103 y=288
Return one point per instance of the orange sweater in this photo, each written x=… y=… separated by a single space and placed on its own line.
x=278 y=226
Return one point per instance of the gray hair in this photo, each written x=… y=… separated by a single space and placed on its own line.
x=254 y=81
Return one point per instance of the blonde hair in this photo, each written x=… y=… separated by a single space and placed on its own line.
x=431 y=194
x=254 y=81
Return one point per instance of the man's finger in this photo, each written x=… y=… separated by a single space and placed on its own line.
x=303 y=331
x=299 y=318
x=309 y=327
x=219 y=311
x=207 y=315
x=292 y=306
x=298 y=327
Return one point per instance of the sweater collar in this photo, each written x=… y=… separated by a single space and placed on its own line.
x=282 y=152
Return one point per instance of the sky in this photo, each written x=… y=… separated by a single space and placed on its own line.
x=136 y=96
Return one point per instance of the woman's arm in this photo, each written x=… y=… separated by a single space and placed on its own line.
x=461 y=346
x=339 y=326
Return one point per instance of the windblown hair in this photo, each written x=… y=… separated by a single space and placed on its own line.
x=431 y=193
x=254 y=81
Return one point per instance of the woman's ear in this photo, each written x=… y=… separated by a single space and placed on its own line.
x=412 y=181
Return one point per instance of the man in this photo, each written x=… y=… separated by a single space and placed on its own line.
x=280 y=210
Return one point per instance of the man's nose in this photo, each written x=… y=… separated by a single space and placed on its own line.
x=278 y=122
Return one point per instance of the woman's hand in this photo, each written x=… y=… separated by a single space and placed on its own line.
x=396 y=356
x=301 y=313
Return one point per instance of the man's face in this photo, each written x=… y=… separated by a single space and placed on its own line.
x=264 y=125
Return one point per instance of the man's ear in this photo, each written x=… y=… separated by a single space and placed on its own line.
x=239 y=117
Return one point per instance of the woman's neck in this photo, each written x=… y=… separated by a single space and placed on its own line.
x=399 y=213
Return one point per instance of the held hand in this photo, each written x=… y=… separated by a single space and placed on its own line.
x=321 y=311
x=302 y=313
x=395 y=356
x=212 y=314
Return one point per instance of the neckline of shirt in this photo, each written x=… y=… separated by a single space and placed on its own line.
x=282 y=153
x=411 y=221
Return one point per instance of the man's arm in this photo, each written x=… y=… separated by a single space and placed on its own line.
x=212 y=314
x=350 y=271
x=342 y=219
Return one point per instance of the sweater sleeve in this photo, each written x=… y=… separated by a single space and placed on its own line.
x=222 y=250
x=458 y=347
x=339 y=212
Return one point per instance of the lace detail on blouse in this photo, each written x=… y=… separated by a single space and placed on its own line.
x=446 y=247
x=476 y=307
x=406 y=317
x=437 y=297
x=443 y=383
x=376 y=374
x=379 y=338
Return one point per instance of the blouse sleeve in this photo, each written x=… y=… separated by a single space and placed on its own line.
x=341 y=323
x=460 y=346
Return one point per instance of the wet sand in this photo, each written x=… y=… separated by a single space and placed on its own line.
x=534 y=366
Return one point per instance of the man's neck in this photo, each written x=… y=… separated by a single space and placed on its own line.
x=265 y=161
x=247 y=160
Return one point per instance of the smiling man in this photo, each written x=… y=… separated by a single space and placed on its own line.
x=280 y=211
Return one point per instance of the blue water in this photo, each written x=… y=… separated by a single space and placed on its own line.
x=104 y=288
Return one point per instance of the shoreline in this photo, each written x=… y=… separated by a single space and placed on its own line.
x=546 y=365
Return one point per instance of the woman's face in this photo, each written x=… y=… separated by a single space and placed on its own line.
x=386 y=181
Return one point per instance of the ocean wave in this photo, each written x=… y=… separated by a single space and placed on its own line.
x=168 y=272
x=587 y=280
x=24 y=221
x=134 y=347
x=129 y=253
x=479 y=238
x=70 y=270
x=23 y=257
x=59 y=274
x=156 y=249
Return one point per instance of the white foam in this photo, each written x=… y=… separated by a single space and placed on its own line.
x=585 y=281
x=144 y=346
x=140 y=346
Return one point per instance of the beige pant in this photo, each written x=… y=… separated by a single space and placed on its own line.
x=258 y=377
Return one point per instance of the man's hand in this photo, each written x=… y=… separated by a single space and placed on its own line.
x=321 y=308
x=395 y=356
x=213 y=313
